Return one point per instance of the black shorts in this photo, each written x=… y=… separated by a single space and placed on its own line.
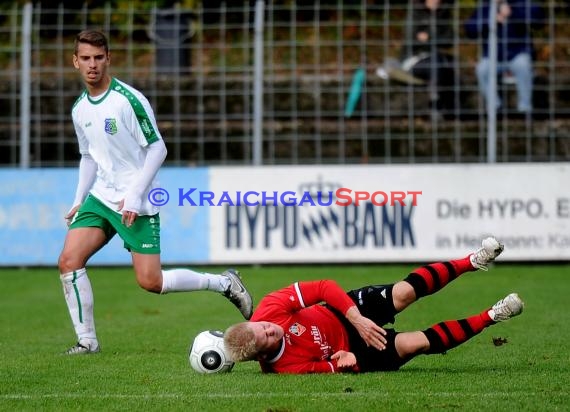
x=375 y=303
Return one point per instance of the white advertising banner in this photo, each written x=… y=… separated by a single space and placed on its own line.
x=385 y=213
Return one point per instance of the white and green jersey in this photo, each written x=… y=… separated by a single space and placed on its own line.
x=114 y=129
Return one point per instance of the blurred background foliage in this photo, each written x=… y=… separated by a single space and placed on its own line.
x=187 y=4
x=120 y=4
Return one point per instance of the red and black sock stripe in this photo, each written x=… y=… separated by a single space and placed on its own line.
x=449 y=334
x=430 y=278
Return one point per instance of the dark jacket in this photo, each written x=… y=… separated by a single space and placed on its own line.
x=438 y=24
x=514 y=36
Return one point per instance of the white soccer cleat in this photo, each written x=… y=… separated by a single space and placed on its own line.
x=238 y=294
x=506 y=308
x=490 y=249
x=83 y=348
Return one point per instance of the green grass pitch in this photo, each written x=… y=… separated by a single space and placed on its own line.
x=145 y=339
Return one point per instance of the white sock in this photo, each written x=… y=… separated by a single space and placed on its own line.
x=185 y=280
x=79 y=298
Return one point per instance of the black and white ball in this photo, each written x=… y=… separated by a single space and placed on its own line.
x=207 y=353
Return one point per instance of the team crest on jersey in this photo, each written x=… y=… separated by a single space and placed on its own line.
x=111 y=126
x=297 y=329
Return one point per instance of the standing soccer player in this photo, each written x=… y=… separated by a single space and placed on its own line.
x=121 y=153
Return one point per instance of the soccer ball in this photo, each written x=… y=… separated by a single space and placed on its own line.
x=207 y=353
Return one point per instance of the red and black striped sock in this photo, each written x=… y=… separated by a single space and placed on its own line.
x=449 y=334
x=430 y=278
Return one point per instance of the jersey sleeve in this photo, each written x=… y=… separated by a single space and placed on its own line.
x=314 y=367
x=304 y=367
x=142 y=123
x=328 y=291
x=300 y=295
x=138 y=116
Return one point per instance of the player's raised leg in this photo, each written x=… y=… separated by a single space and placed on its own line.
x=151 y=277
x=428 y=279
x=449 y=334
x=80 y=244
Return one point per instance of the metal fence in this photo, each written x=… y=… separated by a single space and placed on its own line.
x=324 y=99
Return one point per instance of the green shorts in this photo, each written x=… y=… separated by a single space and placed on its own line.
x=142 y=237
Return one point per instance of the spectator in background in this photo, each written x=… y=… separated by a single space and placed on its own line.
x=515 y=53
x=426 y=53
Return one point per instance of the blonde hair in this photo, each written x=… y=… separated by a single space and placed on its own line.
x=239 y=342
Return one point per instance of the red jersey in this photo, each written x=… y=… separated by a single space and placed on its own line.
x=312 y=332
